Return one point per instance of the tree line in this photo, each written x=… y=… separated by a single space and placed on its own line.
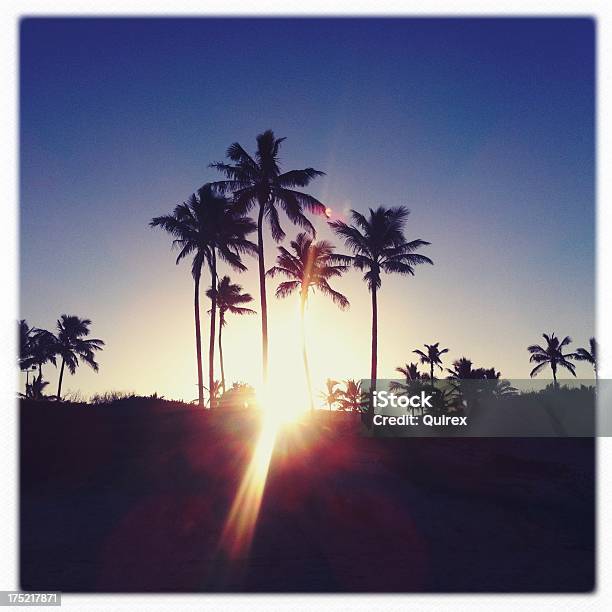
x=348 y=395
x=213 y=225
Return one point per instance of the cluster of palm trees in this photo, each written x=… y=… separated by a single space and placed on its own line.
x=71 y=343
x=213 y=225
x=552 y=354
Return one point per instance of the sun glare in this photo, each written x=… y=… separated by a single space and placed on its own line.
x=282 y=401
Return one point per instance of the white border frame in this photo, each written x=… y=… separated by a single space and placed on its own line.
x=600 y=599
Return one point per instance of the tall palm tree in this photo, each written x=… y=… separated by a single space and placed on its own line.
x=309 y=268
x=589 y=355
x=206 y=226
x=257 y=181
x=552 y=355
x=378 y=245
x=229 y=297
x=73 y=344
x=332 y=393
x=432 y=357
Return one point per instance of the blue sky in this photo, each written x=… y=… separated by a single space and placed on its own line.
x=483 y=128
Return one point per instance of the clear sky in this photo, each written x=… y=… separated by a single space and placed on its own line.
x=483 y=128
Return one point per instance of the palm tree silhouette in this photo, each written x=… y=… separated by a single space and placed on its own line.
x=462 y=370
x=214 y=393
x=44 y=348
x=410 y=372
x=309 y=267
x=206 y=226
x=378 y=245
x=25 y=350
x=332 y=393
x=258 y=181
x=431 y=357
x=551 y=355
x=589 y=355
x=229 y=297
x=73 y=344
x=351 y=398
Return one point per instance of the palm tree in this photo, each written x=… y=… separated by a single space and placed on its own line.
x=214 y=392
x=551 y=355
x=332 y=393
x=351 y=398
x=410 y=372
x=431 y=357
x=378 y=245
x=309 y=268
x=229 y=297
x=462 y=370
x=589 y=355
x=73 y=344
x=206 y=226
x=44 y=348
x=25 y=349
x=258 y=181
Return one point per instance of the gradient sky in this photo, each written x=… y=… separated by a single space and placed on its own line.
x=483 y=128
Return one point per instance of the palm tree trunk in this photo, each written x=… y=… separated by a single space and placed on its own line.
x=305 y=354
x=374 y=357
x=27 y=380
x=554 y=371
x=221 y=352
x=213 y=319
x=196 y=306
x=262 y=292
x=59 y=384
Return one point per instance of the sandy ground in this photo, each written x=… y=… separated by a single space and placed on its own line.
x=134 y=498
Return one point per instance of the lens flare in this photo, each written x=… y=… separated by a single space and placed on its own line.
x=240 y=524
x=279 y=405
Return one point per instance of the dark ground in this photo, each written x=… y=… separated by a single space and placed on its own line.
x=134 y=497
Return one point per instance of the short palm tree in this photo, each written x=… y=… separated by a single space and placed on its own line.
x=214 y=393
x=206 y=226
x=410 y=372
x=43 y=350
x=589 y=355
x=73 y=344
x=432 y=357
x=351 y=397
x=462 y=370
x=25 y=349
x=378 y=244
x=552 y=355
x=332 y=393
x=229 y=298
x=258 y=182
x=309 y=268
